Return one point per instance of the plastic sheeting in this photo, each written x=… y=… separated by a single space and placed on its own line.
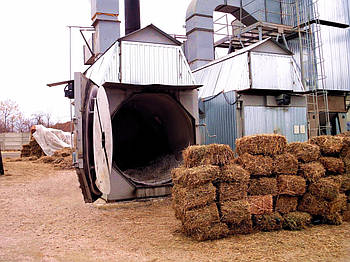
x=51 y=140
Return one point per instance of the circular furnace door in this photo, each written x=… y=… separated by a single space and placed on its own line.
x=103 y=141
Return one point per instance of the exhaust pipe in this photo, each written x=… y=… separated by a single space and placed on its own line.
x=132 y=16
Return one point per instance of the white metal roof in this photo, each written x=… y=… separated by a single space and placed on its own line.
x=261 y=70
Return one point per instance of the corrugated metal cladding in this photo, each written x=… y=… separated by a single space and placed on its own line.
x=220 y=120
x=227 y=75
x=143 y=63
x=336 y=53
x=106 y=68
x=268 y=71
x=337 y=11
x=288 y=121
x=274 y=72
x=335 y=45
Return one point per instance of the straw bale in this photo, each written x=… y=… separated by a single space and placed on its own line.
x=195 y=176
x=344 y=134
x=343 y=181
x=214 y=154
x=312 y=171
x=64 y=152
x=286 y=204
x=35 y=149
x=313 y=205
x=296 y=220
x=345 y=154
x=337 y=205
x=245 y=227
x=270 y=144
x=291 y=185
x=285 y=164
x=233 y=173
x=318 y=206
x=346 y=213
x=211 y=232
x=329 y=145
x=304 y=151
x=260 y=205
x=25 y=152
x=26 y=146
x=234 y=212
x=232 y=191
x=194 y=198
x=178 y=209
x=268 y=222
x=200 y=218
x=346 y=216
x=325 y=188
x=333 y=219
x=257 y=165
x=262 y=186
x=333 y=165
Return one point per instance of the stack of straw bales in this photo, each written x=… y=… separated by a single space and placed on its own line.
x=32 y=149
x=209 y=193
x=328 y=188
x=274 y=186
x=270 y=186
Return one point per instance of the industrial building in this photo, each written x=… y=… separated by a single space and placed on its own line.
x=146 y=96
x=318 y=35
x=136 y=108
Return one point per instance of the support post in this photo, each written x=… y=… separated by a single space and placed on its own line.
x=1 y=164
x=260 y=33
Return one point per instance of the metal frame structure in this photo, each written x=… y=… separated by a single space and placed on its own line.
x=298 y=19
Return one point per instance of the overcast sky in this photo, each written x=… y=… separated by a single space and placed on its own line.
x=35 y=46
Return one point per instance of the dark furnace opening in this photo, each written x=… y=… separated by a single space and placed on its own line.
x=149 y=132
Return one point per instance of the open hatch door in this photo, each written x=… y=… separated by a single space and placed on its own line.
x=103 y=141
x=93 y=138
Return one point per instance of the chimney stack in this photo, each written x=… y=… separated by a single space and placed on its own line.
x=104 y=16
x=132 y=16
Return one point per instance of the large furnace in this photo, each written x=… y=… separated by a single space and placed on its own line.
x=135 y=110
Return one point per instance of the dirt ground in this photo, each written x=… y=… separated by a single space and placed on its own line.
x=44 y=218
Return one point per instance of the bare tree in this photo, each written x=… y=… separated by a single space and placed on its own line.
x=8 y=112
x=48 y=118
x=38 y=118
x=22 y=124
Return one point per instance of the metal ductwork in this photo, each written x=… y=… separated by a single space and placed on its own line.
x=199 y=47
x=132 y=16
x=104 y=16
x=200 y=29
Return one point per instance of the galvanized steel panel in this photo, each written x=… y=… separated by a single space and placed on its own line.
x=224 y=76
x=144 y=63
x=106 y=68
x=336 y=54
x=234 y=75
x=337 y=11
x=220 y=120
x=335 y=44
x=274 y=72
x=269 y=120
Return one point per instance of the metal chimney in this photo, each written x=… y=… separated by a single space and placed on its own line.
x=132 y=16
x=104 y=16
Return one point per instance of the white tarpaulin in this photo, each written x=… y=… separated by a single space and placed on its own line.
x=50 y=140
